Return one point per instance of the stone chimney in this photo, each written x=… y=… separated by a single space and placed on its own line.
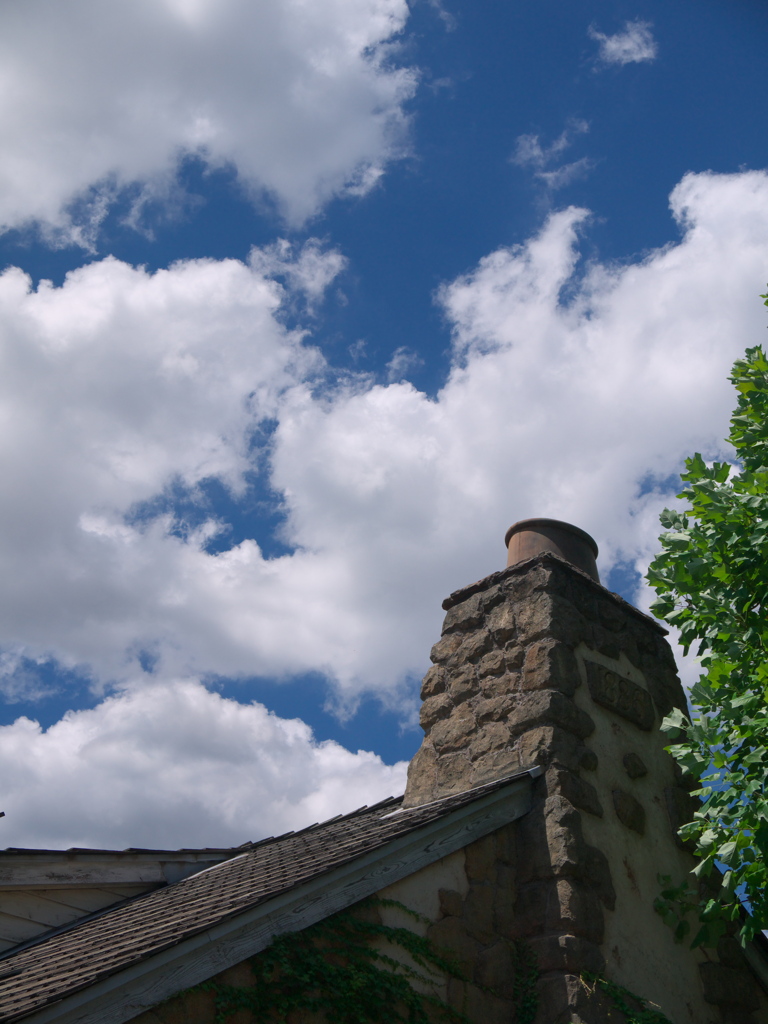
x=539 y=664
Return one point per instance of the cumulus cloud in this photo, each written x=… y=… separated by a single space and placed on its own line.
x=404 y=361
x=634 y=45
x=574 y=395
x=303 y=100
x=117 y=386
x=574 y=392
x=543 y=160
x=176 y=765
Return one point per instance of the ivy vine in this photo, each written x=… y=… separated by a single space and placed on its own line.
x=525 y=993
x=337 y=968
x=642 y=1013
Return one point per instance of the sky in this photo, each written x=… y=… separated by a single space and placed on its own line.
x=302 y=304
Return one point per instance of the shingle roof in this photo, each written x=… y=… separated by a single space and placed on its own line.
x=72 y=959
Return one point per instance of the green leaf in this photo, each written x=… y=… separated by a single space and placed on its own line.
x=711 y=582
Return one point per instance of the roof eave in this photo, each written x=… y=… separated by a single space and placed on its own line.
x=129 y=992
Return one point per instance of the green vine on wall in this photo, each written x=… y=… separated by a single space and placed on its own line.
x=643 y=1013
x=338 y=970
x=525 y=993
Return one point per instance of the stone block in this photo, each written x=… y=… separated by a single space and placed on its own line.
x=725 y=986
x=586 y=1004
x=492 y=664
x=562 y=905
x=477 y=1004
x=501 y=623
x=666 y=689
x=534 y=618
x=450 y=934
x=492 y=596
x=568 y=623
x=422 y=777
x=557 y=994
x=629 y=811
x=475 y=646
x=611 y=617
x=550 y=707
x=578 y=791
x=597 y=872
x=634 y=766
x=522 y=585
x=730 y=953
x=494 y=765
x=479 y=913
x=499 y=686
x=506 y=844
x=551 y=844
x=680 y=810
x=461 y=683
x=494 y=709
x=588 y=759
x=433 y=682
x=579 y=592
x=550 y=665
x=620 y=695
x=445 y=649
x=506 y=881
x=490 y=737
x=495 y=969
x=567 y=953
x=608 y=649
x=480 y=860
x=433 y=709
x=451 y=902
x=464 y=616
x=454 y=775
x=577 y=910
x=514 y=655
x=506 y=920
x=455 y=732
x=549 y=744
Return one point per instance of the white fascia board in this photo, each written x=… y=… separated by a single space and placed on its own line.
x=130 y=992
x=20 y=872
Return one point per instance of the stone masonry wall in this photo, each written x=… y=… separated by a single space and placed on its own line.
x=539 y=664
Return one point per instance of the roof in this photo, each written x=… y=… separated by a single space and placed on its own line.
x=41 y=890
x=219 y=916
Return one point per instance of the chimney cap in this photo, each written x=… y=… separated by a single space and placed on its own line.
x=530 y=537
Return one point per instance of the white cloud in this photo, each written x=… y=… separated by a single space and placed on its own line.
x=120 y=383
x=304 y=100
x=529 y=152
x=564 y=408
x=176 y=765
x=404 y=360
x=633 y=45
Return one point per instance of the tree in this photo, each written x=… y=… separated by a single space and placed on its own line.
x=711 y=578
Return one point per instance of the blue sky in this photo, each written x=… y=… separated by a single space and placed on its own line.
x=301 y=307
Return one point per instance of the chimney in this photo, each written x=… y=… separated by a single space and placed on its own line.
x=539 y=664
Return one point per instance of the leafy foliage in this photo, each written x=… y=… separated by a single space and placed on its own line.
x=711 y=578
x=640 y=1013
x=338 y=970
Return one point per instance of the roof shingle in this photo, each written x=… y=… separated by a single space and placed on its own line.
x=52 y=968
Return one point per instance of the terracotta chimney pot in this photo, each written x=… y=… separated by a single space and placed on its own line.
x=531 y=537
